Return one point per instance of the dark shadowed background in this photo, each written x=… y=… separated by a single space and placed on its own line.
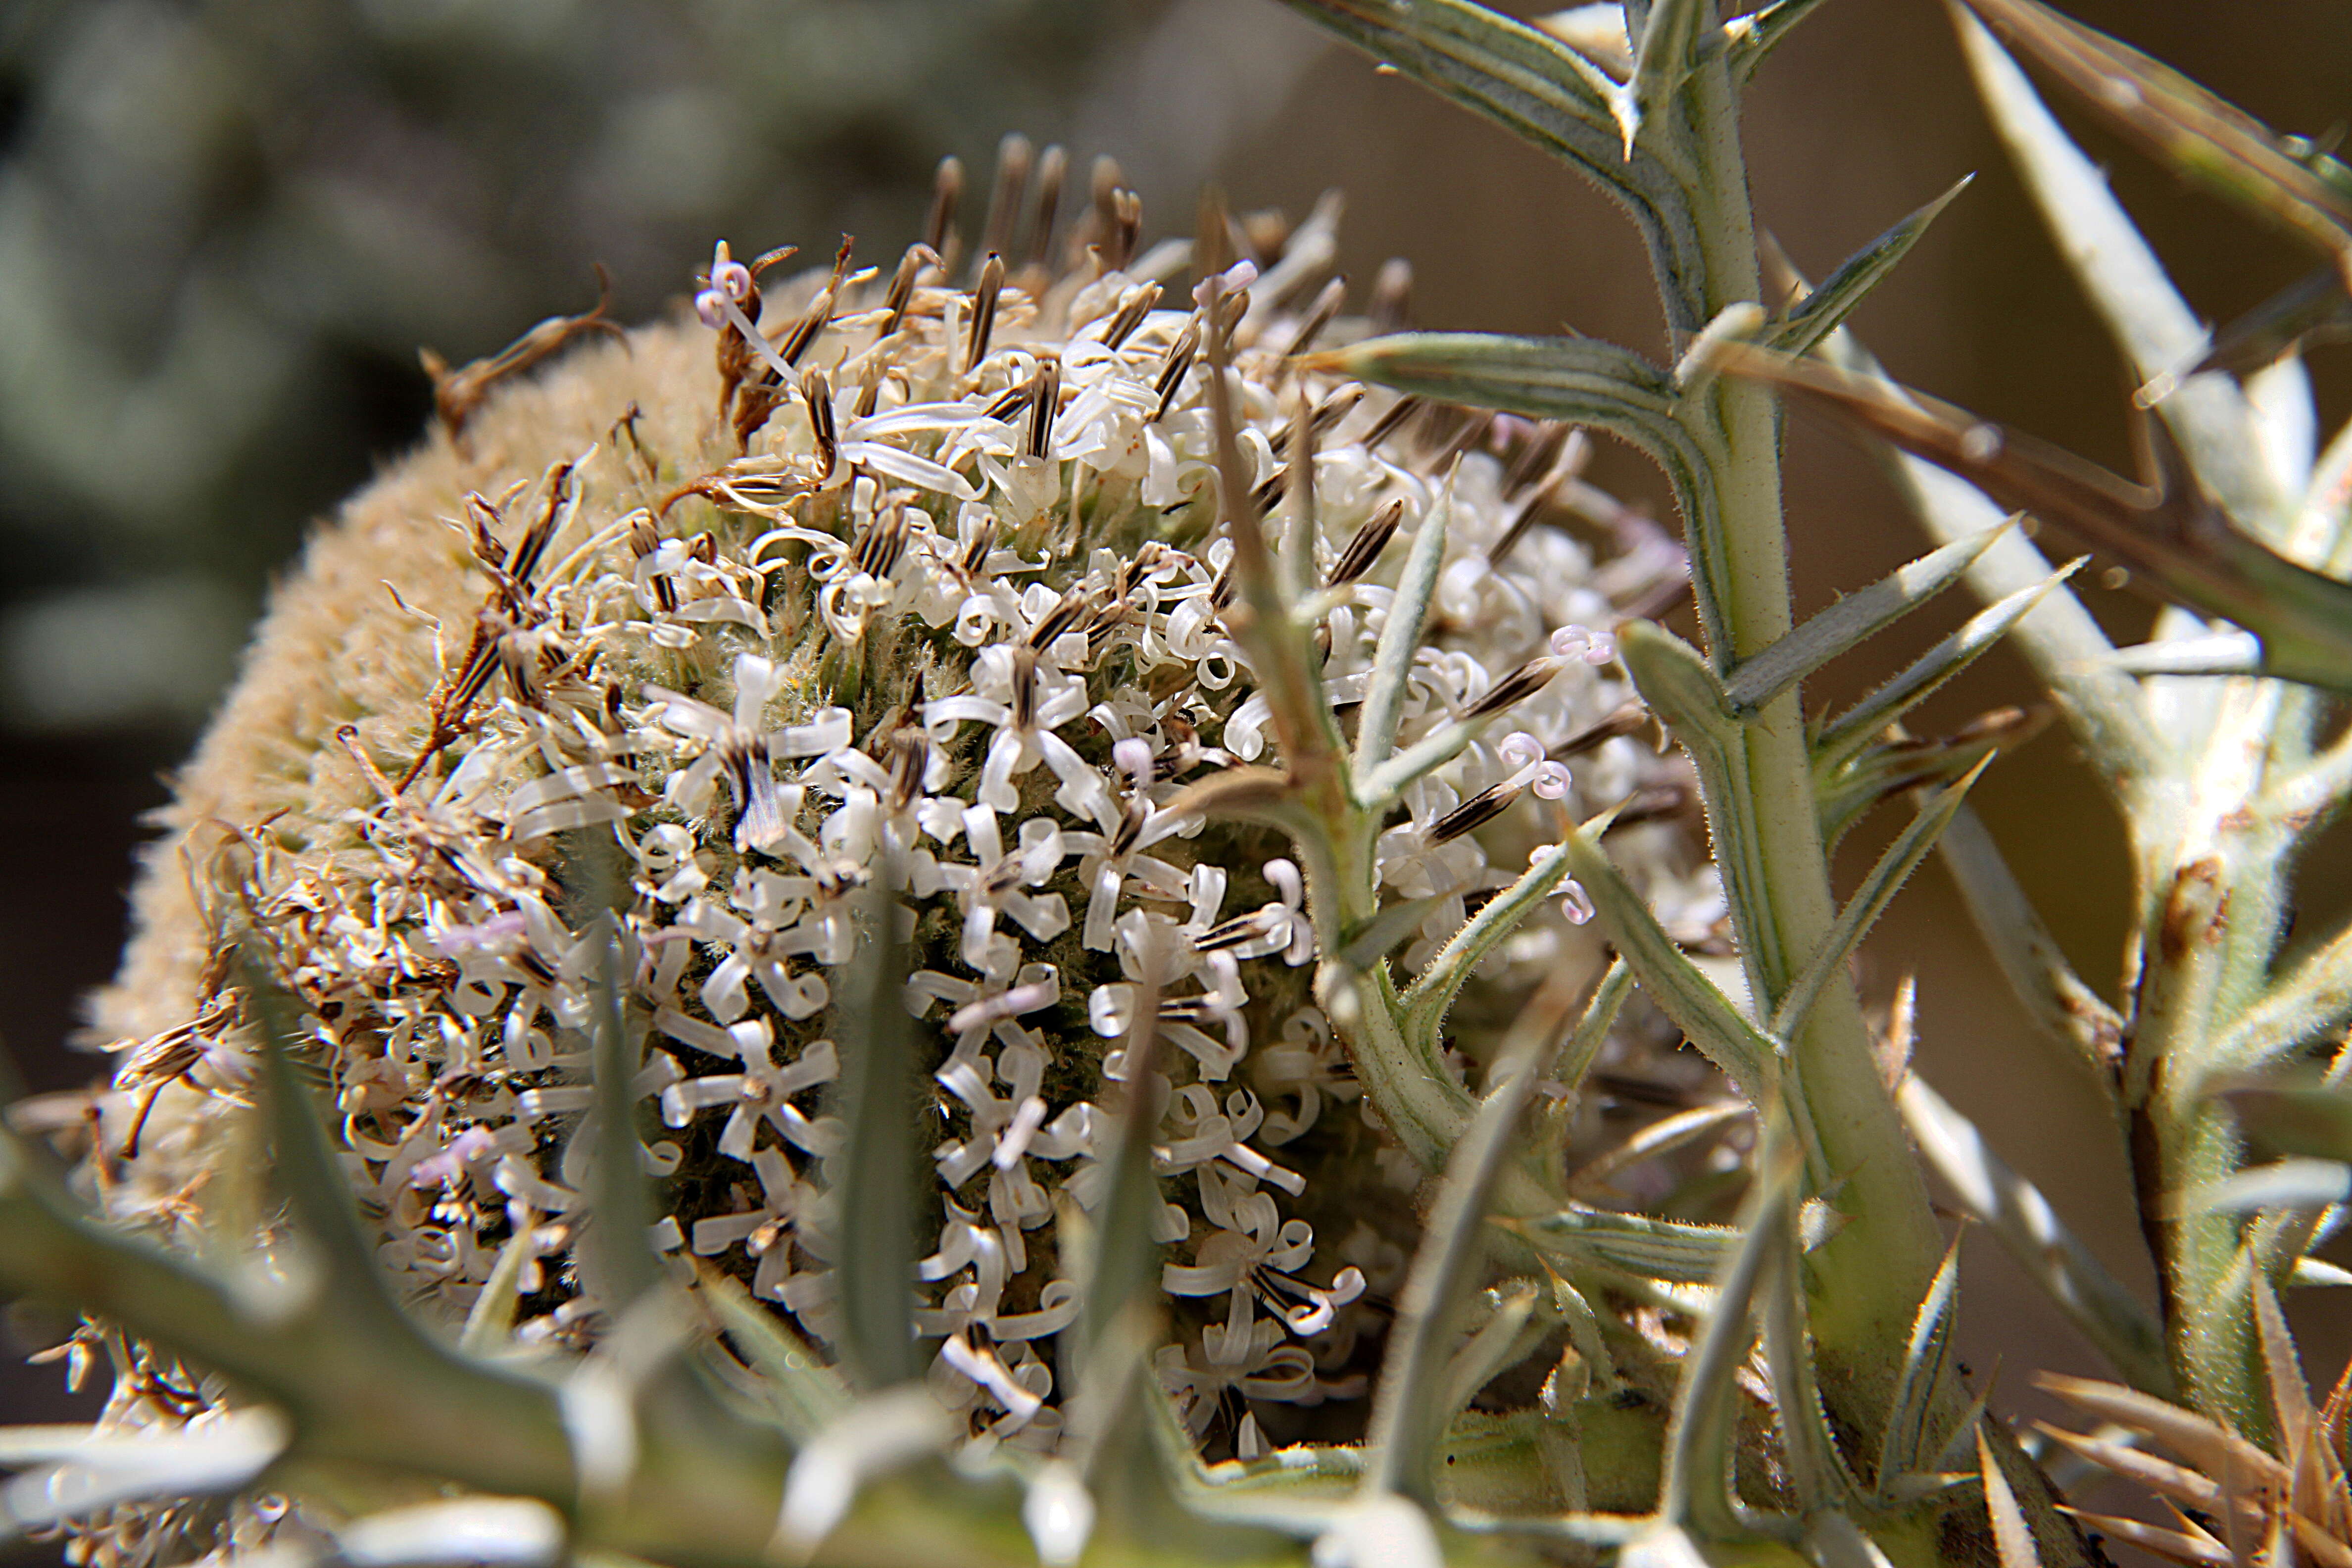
x=226 y=227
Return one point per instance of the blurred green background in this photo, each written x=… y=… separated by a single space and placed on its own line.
x=226 y=227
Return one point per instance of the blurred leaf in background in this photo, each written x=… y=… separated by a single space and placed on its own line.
x=226 y=227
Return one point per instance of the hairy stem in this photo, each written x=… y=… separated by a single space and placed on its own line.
x=1869 y=1279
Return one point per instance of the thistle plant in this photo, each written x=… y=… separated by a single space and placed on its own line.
x=990 y=909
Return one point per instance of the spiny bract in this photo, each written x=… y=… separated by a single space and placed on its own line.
x=885 y=577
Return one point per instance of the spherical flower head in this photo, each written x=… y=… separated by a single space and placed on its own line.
x=931 y=613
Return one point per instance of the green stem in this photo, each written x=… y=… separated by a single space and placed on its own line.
x=1868 y=1280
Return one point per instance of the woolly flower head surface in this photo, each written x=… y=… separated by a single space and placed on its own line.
x=914 y=581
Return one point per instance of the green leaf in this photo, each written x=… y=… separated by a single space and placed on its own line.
x=1675 y=1251
x=2312 y=999
x=804 y=1392
x=1886 y=878
x=1408 y=1416
x=304 y=1168
x=1371 y=941
x=1546 y=94
x=1576 y=1058
x=490 y=1319
x=2174 y=536
x=1683 y=691
x=1831 y=301
x=1582 y=381
x=1426 y=1000
x=2067 y=648
x=1859 y=724
x=1756 y=681
x=1817 y=1472
x=1384 y=694
x=1748 y=1056
x=619 y=1242
x=1926 y=1360
x=1509 y=1334
x=1703 y=1435
x=2030 y=1231
x=876 y=1190
x=1844 y=792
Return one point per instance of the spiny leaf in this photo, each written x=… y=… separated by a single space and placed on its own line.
x=489 y=1532
x=1545 y=93
x=1703 y=1431
x=2310 y=1000
x=1756 y=681
x=1372 y=940
x=1843 y=792
x=1748 y=1056
x=1834 y=299
x=2288 y=1183
x=2198 y=133
x=2030 y=1231
x=304 y=1167
x=1408 y=1415
x=1660 y=62
x=2196 y=1550
x=1834 y=1540
x=1391 y=672
x=1592 y=1029
x=1425 y=1003
x=1926 y=1359
x=1301 y=710
x=2211 y=1446
x=1579 y=380
x=877 y=1163
x=2065 y=645
x=619 y=1240
x=1886 y=878
x=1676 y=1251
x=2176 y=538
x=1817 y=1471
x=2011 y=1536
x=1919 y=679
x=804 y=1392
x=1511 y=1331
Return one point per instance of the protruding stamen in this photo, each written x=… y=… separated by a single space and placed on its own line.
x=1053 y=167
x=1014 y=155
x=1172 y=369
x=1364 y=549
x=1133 y=306
x=1044 y=400
x=1327 y=306
x=902 y=285
x=816 y=391
x=946 y=190
x=1514 y=688
x=1475 y=813
x=1398 y=414
x=1626 y=720
x=984 y=311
